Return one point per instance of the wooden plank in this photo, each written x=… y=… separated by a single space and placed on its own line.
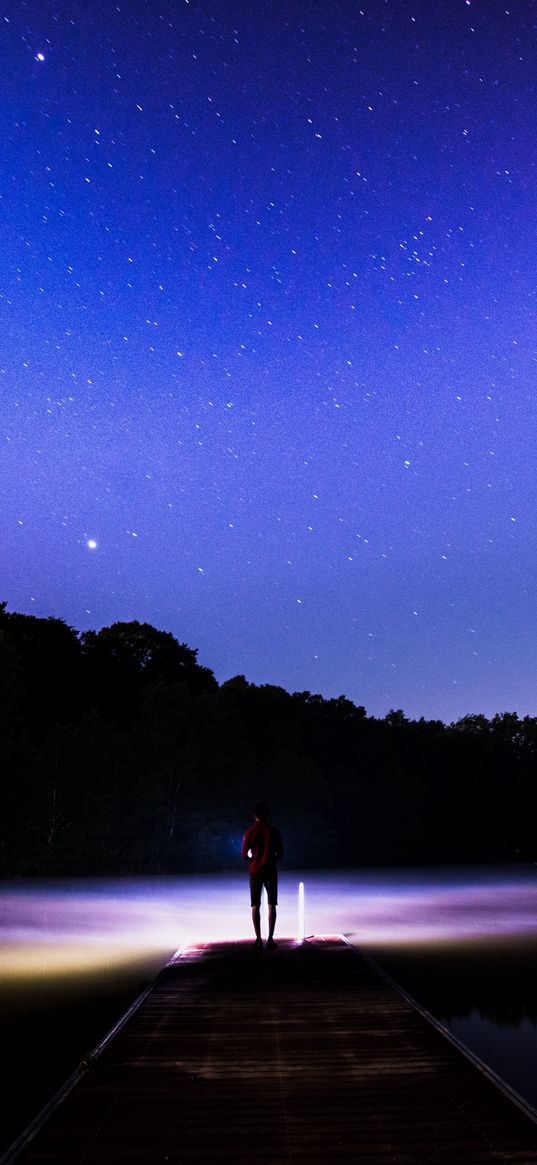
x=303 y=1053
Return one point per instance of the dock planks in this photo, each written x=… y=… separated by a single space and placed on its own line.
x=303 y=1053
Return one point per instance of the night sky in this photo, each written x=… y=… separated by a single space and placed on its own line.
x=268 y=344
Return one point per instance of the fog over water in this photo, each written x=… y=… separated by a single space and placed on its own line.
x=80 y=927
x=73 y=954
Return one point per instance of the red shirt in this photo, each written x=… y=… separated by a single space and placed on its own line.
x=264 y=843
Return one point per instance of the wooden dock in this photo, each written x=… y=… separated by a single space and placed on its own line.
x=304 y=1053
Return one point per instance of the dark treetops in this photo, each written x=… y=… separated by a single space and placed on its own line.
x=120 y=753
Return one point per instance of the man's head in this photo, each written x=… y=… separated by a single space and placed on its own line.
x=261 y=812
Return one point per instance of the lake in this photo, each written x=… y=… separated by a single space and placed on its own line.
x=73 y=955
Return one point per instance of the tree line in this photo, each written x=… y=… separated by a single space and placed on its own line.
x=121 y=754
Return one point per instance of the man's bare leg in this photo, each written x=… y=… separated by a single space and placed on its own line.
x=256 y=919
x=271 y=922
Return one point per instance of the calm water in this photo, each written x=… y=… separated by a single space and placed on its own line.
x=74 y=954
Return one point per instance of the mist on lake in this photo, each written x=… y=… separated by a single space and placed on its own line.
x=74 y=954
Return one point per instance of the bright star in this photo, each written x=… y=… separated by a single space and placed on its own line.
x=91 y=544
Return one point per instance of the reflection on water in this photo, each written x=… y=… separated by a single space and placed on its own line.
x=73 y=955
x=485 y=992
x=510 y=1050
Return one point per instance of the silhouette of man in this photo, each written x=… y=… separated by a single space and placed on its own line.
x=262 y=848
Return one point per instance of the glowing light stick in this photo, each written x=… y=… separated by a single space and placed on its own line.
x=301 y=916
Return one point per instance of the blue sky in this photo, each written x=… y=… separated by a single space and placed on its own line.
x=268 y=291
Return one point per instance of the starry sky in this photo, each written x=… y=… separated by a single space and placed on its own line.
x=268 y=346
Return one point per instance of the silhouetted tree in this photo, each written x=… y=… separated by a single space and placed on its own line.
x=50 y=662
x=124 y=660
x=119 y=753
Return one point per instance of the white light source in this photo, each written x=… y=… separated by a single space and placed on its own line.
x=301 y=915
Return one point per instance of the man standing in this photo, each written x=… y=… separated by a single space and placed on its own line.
x=262 y=848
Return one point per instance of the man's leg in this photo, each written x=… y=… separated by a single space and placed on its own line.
x=255 y=902
x=256 y=919
x=272 y=895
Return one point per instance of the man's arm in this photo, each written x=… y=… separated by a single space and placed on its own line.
x=246 y=851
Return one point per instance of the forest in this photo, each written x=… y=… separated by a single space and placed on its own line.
x=121 y=754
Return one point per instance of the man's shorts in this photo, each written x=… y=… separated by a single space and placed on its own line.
x=270 y=882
